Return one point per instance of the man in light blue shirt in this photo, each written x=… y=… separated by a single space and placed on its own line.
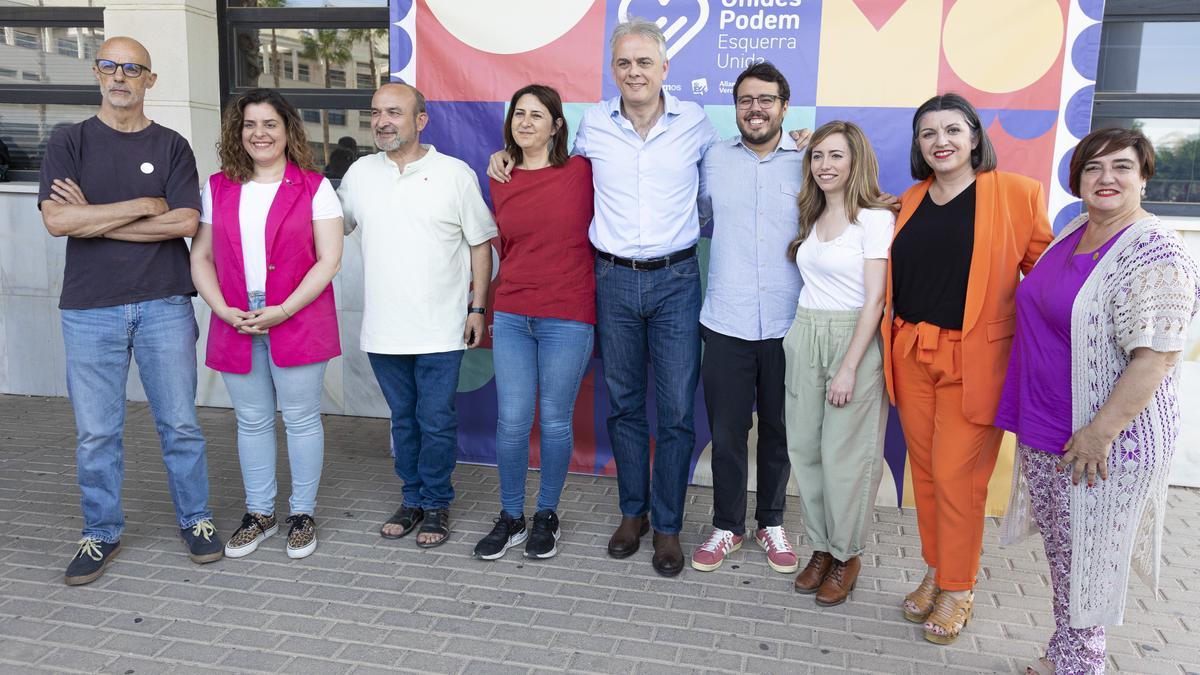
x=749 y=187
x=645 y=147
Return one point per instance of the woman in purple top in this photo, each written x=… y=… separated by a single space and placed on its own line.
x=1091 y=392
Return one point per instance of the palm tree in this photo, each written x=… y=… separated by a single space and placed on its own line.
x=369 y=36
x=275 y=62
x=329 y=46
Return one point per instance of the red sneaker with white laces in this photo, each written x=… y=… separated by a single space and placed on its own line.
x=712 y=553
x=780 y=555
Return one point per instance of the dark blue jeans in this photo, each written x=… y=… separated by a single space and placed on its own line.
x=651 y=317
x=419 y=390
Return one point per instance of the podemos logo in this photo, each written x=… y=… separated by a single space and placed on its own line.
x=680 y=21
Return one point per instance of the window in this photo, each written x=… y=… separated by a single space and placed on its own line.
x=68 y=46
x=1147 y=80
x=334 y=48
x=46 y=77
x=26 y=40
x=364 y=119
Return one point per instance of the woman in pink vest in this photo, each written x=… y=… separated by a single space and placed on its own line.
x=269 y=243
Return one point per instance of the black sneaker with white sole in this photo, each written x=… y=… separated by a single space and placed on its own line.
x=508 y=532
x=543 y=536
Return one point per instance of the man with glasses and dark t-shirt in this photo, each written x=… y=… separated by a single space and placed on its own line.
x=125 y=192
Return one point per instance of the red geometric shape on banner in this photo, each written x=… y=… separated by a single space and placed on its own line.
x=1024 y=156
x=879 y=12
x=451 y=70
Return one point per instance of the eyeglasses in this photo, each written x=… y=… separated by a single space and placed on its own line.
x=764 y=101
x=108 y=67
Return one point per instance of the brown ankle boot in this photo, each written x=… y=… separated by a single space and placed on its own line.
x=839 y=582
x=627 y=539
x=810 y=578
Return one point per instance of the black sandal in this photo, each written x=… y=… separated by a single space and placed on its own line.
x=406 y=517
x=437 y=521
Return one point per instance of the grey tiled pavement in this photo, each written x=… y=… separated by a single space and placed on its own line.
x=363 y=604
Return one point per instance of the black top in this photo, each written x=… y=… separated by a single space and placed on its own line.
x=931 y=260
x=112 y=166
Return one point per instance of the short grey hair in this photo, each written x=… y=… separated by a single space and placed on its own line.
x=636 y=25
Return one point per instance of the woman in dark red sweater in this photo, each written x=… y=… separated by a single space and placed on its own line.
x=545 y=310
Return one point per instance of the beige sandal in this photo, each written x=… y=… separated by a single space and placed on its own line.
x=949 y=615
x=919 y=603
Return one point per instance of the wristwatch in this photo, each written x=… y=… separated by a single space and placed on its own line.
x=477 y=310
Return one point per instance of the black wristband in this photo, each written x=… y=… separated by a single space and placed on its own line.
x=476 y=310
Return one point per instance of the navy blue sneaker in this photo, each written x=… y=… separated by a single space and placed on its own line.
x=203 y=544
x=90 y=561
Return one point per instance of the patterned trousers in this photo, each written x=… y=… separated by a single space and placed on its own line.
x=1073 y=651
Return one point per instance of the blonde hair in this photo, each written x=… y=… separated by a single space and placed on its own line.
x=862 y=185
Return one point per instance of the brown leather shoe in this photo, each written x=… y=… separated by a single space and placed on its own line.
x=810 y=578
x=668 y=556
x=839 y=582
x=626 y=540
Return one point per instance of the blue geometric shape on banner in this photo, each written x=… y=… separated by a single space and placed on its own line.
x=1028 y=124
x=1066 y=214
x=476 y=132
x=401 y=8
x=401 y=50
x=1085 y=53
x=1064 y=172
x=1093 y=8
x=1078 y=113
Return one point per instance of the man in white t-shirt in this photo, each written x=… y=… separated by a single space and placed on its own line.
x=426 y=267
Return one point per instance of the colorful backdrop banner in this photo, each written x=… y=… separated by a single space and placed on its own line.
x=1029 y=66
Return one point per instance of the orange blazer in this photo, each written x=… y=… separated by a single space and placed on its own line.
x=1011 y=231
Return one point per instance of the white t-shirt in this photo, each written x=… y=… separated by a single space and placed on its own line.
x=418 y=227
x=252 y=217
x=833 y=270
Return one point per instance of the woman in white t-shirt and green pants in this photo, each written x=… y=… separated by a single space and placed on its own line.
x=835 y=408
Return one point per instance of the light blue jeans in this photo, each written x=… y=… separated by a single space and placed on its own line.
x=161 y=334
x=538 y=361
x=298 y=392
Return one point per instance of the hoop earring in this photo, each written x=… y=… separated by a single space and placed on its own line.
x=1143 y=191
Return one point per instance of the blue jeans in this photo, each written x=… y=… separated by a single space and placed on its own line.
x=161 y=334
x=538 y=361
x=651 y=315
x=254 y=394
x=419 y=390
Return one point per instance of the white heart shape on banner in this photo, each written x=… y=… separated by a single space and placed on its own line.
x=670 y=28
x=509 y=27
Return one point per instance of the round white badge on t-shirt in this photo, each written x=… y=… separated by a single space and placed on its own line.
x=147 y=168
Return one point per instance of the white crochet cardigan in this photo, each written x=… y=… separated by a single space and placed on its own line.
x=1143 y=293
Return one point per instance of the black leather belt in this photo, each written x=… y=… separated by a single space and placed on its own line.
x=649 y=263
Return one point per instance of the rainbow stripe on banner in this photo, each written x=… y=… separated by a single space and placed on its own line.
x=1028 y=65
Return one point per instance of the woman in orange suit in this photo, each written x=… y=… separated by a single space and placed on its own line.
x=963 y=236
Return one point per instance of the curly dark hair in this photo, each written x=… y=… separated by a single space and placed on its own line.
x=235 y=161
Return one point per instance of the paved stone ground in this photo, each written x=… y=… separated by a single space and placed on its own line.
x=363 y=604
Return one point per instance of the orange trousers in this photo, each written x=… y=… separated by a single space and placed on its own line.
x=951 y=458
